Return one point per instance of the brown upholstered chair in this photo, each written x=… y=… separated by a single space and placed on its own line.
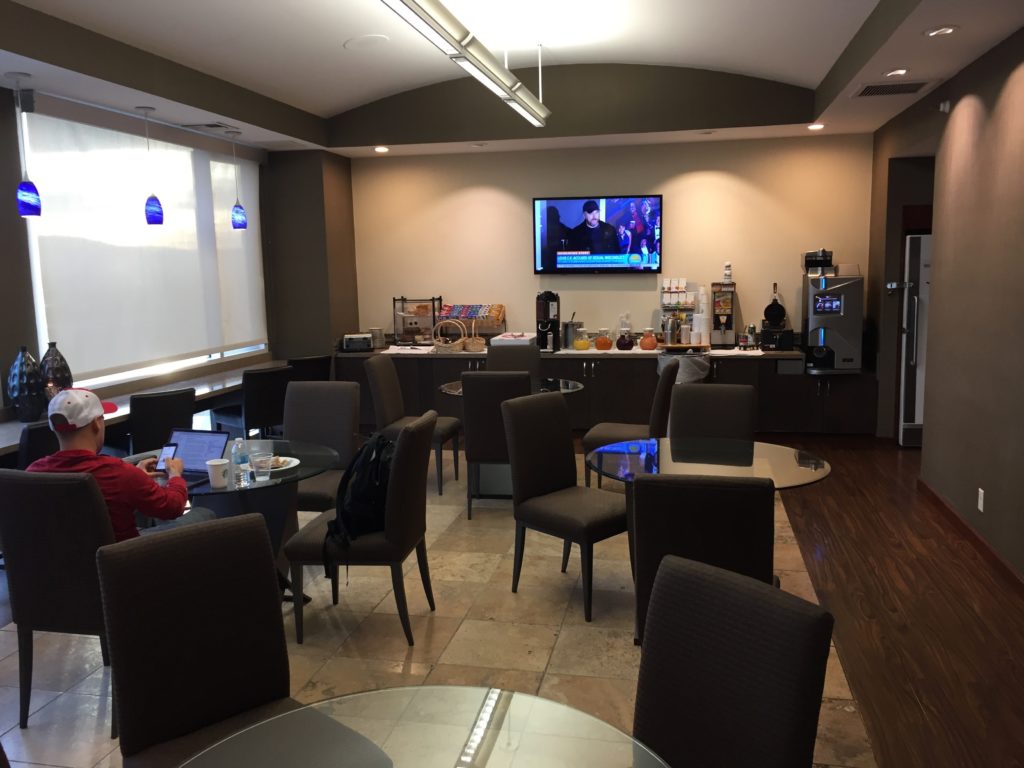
x=713 y=410
x=389 y=409
x=731 y=671
x=153 y=416
x=37 y=441
x=325 y=413
x=608 y=432
x=482 y=395
x=545 y=496
x=197 y=641
x=51 y=525
x=262 y=405
x=725 y=522
x=312 y=368
x=405 y=525
x=515 y=357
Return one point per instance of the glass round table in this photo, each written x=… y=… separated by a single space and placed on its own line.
x=565 y=386
x=303 y=460
x=449 y=726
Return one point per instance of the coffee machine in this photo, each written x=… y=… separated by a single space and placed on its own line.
x=548 y=327
x=833 y=315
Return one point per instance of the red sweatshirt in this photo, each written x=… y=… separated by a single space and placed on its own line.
x=125 y=488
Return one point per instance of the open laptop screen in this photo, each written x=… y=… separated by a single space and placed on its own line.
x=196 y=446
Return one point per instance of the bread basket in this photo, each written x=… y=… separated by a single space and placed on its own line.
x=474 y=343
x=444 y=344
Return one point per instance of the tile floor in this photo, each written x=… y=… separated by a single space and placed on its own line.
x=481 y=634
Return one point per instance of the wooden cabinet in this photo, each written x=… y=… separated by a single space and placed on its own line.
x=445 y=369
x=580 y=370
x=848 y=404
x=743 y=370
x=623 y=390
x=786 y=397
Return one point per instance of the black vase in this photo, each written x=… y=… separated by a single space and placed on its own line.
x=25 y=387
x=54 y=371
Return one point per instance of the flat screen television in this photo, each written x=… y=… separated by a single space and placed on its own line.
x=597 y=235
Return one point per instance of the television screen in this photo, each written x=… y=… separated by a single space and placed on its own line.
x=573 y=235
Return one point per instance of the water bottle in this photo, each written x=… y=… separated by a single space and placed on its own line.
x=240 y=463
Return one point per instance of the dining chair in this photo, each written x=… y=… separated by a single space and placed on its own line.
x=713 y=410
x=405 y=523
x=727 y=522
x=37 y=440
x=389 y=410
x=482 y=395
x=51 y=524
x=312 y=368
x=545 y=496
x=262 y=407
x=187 y=668
x=608 y=432
x=515 y=357
x=151 y=417
x=731 y=670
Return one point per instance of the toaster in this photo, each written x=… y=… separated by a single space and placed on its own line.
x=356 y=342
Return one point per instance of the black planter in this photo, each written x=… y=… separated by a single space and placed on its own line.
x=25 y=387
x=54 y=371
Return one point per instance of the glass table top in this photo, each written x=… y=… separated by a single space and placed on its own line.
x=312 y=460
x=541 y=385
x=787 y=467
x=450 y=726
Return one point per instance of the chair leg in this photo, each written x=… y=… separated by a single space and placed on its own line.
x=587 y=566
x=113 y=709
x=517 y=564
x=586 y=471
x=600 y=468
x=334 y=584
x=24 y=672
x=104 y=651
x=398 y=584
x=437 y=463
x=296 y=569
x=469 y=489
x=566 y=549
x=421 y=559
x=455 y=453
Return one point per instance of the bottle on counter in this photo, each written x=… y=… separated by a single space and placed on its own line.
x=240 y=463
x=603 y=340
x=581 y=341
x=647 y=341
x=625 y=340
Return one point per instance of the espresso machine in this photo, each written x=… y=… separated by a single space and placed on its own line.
x=833 y=315
x=548 y=327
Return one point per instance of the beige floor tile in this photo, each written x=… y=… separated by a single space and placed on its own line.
x=59 y=661
x=112 y=760
x=96 y=684
x=836 y=686
x=301 y=669
x=10 y=706
x=788 y=558
x=8 y=641
x=538 y=570
x=501 y=645
x=609 y=699
x=609 y=610
x=615 y=548
x=780 y=509
x=380 y=636
x=341 y=676
x=73 y=731
x=324 y=627
x=422 y=745
x=506 y=679
x=493 y=514
x=842 y=739
x=496 y=602
x=361 y=594
x=461 y=566
x=798 y=583
x=613 y=575
x=492 y=540
x=595 y=652
x=550 y=546
x=452 y=599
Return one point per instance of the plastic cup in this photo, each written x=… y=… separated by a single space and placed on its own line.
x=261 y=463
x=218 y=471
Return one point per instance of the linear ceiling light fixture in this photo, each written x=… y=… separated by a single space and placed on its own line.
x=436 y=23
x=29 y=203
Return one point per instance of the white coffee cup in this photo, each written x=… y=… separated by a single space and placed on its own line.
x=218 y=470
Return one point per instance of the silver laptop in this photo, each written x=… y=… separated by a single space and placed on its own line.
x=195 y=448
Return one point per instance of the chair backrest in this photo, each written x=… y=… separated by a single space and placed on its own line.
x=194 y=627
x=37 y=440
x=731 y=670
x=263 y=391
x=483 y=392
x=312 y=368
x=323 y=412
x=405 y=519
x=713 y=410
x=153 y=416
x=725 y=522
x=540 y=448
x=385 y=389
x=658 y=425
x=51 y=524
x=515 y=357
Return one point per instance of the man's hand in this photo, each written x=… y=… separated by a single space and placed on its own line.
x=149 y=467
x=175 y=467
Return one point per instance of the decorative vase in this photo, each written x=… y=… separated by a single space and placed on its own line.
x=603 y=340
x=25 y=387
x=625 y=341
x=647 y=341
x=55 y=371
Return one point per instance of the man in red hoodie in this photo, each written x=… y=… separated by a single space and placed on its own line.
x=76 y=416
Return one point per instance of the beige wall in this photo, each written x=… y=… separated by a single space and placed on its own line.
x=460 y=226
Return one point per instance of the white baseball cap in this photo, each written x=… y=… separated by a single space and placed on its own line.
x=72 y=409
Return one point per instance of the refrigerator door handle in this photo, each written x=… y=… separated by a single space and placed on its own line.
x=917 y=313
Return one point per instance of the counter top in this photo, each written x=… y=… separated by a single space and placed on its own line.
x=636 y=352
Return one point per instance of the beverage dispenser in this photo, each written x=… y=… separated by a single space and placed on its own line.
x=548 y=327
x=833 y=310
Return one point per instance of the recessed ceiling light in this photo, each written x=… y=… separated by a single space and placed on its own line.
x=479 y=145
x=940 y=31
x=381 y=150
x=896 y=73
x=705 y=133
x=364 y=41
x=815 y=126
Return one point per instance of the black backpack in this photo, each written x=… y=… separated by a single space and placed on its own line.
x=362 y=495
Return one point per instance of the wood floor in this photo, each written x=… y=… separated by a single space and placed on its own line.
x=930 y=633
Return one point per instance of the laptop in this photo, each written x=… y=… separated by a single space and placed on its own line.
x=195 y=448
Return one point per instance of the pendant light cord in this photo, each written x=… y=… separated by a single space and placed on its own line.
x=22 y=155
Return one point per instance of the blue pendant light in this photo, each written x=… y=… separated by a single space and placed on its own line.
x=29 y=202
x=238 y=218
x=154 y=209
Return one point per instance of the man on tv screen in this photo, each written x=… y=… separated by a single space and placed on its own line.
x=592 y=234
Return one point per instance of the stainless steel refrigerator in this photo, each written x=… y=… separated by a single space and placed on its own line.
x=917 y=268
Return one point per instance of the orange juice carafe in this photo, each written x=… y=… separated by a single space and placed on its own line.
x=603 y=340
x=582 y=339
x=647 y=341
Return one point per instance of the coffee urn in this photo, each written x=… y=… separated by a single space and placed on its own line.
x=548 y=321
x=833 y=315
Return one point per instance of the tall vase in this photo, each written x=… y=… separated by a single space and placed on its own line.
x=55 y=371
x=25 y=387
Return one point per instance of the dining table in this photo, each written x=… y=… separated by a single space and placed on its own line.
x=543 y=384
x=431 y=726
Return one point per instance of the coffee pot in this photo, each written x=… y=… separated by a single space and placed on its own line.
x=670 y=328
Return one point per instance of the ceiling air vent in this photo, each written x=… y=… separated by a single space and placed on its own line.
x=207 y=126
x=891 y=89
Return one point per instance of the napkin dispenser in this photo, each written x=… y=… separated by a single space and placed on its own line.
x=357 y=342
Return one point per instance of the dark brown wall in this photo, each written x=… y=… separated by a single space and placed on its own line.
x=974 y=411
x=18 y=325
x=341 y=245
